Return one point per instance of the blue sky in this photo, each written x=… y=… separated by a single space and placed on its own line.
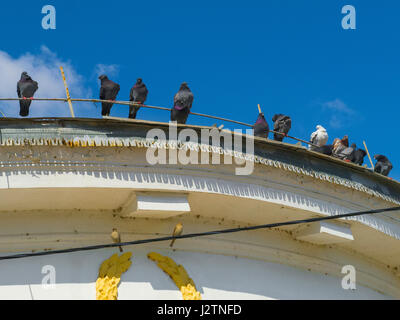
x=292 y=57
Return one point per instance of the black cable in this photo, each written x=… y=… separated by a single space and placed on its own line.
x=195 y=235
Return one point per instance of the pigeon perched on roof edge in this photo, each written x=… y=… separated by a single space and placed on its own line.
x=26 y=88
x=282 y=124
x=358 y=156
x=138 y=94
x=319 y=138
x=383 y=166
x=183 y=101
x=339 y=145
x=347 y=153
x=108 y=91
x=261 y=127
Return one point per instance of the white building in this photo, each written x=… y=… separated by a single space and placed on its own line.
x=66 y=183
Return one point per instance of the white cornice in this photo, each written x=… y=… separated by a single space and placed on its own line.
x=146 y=143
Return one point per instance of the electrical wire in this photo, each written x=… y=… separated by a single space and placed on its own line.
x=197 y=235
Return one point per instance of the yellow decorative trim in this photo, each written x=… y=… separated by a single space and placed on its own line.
x=110 y=276
x=178 y=274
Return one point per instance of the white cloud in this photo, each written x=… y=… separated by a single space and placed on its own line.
x=340 y=112
x=335 y=122
x=43 y=68
x=338 y=106
x=111 y=70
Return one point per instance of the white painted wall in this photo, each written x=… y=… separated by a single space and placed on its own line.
x=215 y=276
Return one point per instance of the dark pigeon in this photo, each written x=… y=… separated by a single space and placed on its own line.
x=326 y=149
x=282 y=124
x=358 y=156
x=183 y=101
x=108 y=91
x=139 y=95
x=261 y=128
x=26 y=88
x=383 y=166
x=347 y=153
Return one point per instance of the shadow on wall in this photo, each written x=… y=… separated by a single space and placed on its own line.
x=199 y=184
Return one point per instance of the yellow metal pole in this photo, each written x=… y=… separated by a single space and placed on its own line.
x=259 y=108
x=71 y=109
x=369 y=156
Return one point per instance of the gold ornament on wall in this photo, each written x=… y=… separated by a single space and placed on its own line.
x=178 y=274
x=110 y=276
